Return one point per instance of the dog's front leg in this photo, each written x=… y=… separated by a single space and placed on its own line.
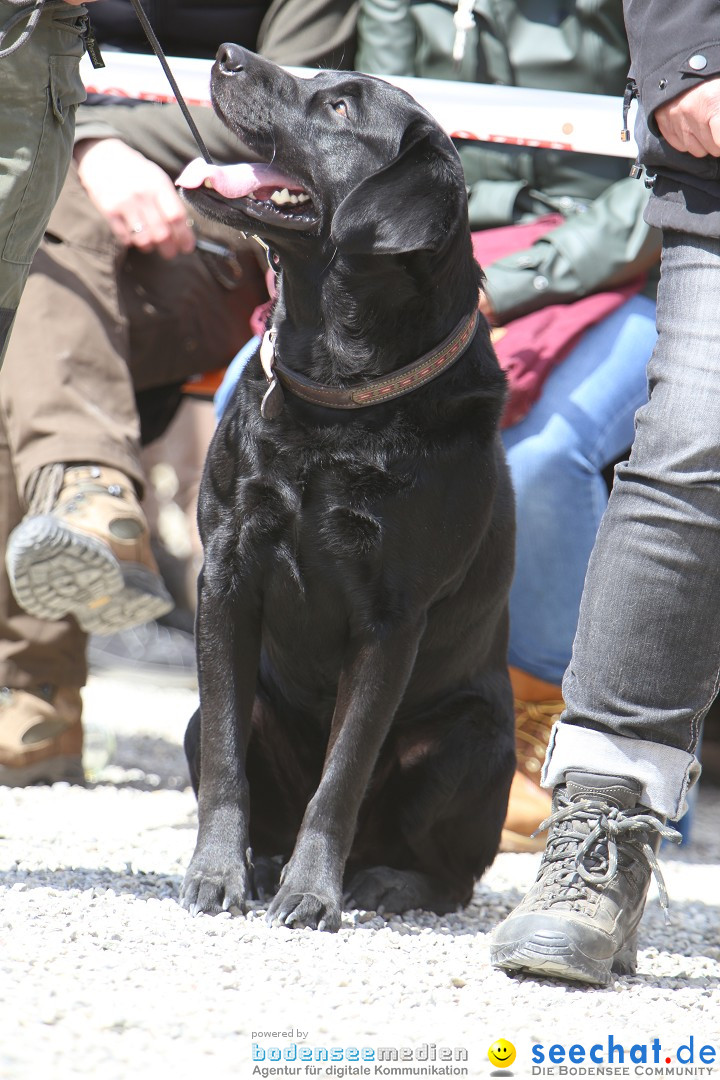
x=228 y=647
x=371 y=687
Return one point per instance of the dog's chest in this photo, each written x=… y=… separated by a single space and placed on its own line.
x=315 y=517
x=340 y=511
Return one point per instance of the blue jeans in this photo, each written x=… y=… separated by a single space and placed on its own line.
x=645 y=661
x=233 y=373
x=583 y=422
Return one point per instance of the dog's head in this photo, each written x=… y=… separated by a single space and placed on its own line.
x=344 y=158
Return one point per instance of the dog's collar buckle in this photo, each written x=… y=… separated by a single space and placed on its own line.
x=273 y=399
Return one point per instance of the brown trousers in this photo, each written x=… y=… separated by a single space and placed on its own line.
x=98 y=325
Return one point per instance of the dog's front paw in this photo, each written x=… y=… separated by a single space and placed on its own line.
x=210 y=887
x=305 y=908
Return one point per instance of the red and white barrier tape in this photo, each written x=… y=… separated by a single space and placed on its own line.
x=585 y=123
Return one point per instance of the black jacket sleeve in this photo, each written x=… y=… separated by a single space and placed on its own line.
x=674 y=45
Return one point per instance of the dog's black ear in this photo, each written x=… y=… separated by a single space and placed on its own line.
x=408 y=205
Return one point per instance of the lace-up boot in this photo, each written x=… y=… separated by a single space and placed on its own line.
x=579 y=920
x=84 y=550
x=41 y=736
x=538 y=704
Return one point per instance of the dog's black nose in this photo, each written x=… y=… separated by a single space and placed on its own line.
x=231 y=57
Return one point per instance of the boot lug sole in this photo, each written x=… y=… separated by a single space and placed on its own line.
x=55 y=571
x=143 y=598
x=555 y=956
x=67 y=769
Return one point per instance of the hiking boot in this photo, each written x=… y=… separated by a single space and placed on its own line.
x=579 y=920
x=154 y=652
x=529 y=804
x=41 y=736
x=84 y=550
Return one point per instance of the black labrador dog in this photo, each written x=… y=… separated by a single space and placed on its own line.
x=357 y=520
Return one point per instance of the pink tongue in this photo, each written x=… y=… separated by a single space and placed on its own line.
x=234 y=181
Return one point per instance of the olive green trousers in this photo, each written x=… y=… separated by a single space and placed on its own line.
x=40 y=86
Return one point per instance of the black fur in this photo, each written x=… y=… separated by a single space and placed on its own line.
x=356 y=715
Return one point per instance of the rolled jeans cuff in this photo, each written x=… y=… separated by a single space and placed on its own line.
x=665 y=772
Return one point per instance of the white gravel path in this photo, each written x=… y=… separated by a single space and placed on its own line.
x=103 y=975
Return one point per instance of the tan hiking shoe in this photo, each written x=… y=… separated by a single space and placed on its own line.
x=41 y=736
x=84 y=550
x=529 y=804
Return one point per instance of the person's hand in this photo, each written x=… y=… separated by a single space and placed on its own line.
x=691 y=122
x=139 y=200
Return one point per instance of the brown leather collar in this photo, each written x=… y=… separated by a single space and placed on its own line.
x=370 y=393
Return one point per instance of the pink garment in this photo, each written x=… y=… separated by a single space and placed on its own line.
x=259 y=317
x=533 y=344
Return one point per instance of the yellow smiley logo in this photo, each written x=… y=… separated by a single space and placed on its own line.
x=501 y=1053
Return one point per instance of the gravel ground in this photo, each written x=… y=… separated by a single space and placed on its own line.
x=103 y=975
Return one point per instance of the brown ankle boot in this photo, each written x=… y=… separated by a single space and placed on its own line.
x=84 y=550
x=538 y=704
x=41 y=736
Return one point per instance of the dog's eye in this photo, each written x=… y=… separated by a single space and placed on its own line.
x=340 y=107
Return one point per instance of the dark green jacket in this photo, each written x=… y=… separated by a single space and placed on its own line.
x=576 y=45
x=185 y=28
x=317 y=33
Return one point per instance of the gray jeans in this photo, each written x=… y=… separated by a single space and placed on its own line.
x=644 y=668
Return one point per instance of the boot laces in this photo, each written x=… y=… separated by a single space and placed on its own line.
x=593 y=840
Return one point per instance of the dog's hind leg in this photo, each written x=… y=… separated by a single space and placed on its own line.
x=266 y=871
x=192 y=749
x=390 y=891
x=434 y=826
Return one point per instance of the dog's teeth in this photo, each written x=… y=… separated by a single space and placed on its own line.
x=208 y=183
x=284 y=197
x=280 y=198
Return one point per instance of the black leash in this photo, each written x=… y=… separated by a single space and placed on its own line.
x=157 y=49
